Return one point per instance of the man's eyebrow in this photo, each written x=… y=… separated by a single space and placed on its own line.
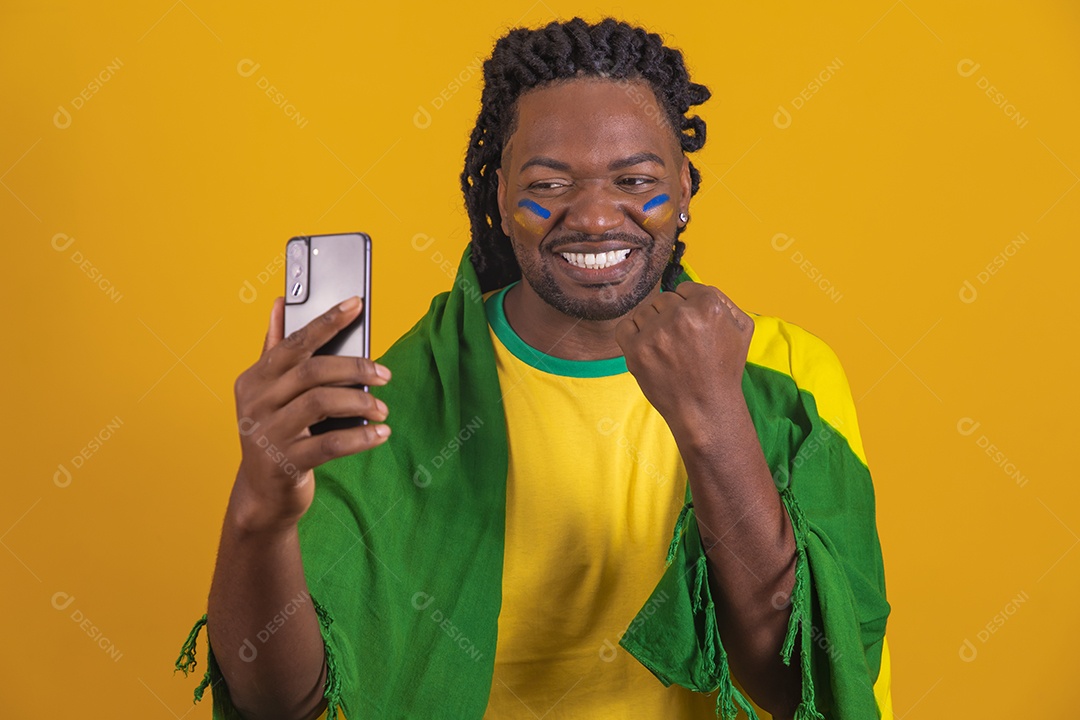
x=635 y=159
x=547 y=162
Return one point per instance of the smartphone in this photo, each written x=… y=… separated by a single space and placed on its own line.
x=321 y=271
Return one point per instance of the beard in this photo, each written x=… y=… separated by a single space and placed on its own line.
x=610 y=301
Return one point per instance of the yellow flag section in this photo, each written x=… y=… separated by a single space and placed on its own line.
x=789 y=349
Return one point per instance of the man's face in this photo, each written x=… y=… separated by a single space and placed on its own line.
x=593 y=169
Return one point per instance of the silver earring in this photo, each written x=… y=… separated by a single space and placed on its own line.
x=683 y=217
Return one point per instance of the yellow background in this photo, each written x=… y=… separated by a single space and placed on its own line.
x=179 y=181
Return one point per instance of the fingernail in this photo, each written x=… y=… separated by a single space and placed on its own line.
x=381 y=405
x=382 y=430
x=382 y=371
x=349 y=304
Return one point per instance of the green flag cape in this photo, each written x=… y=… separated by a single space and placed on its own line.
x=403 y=547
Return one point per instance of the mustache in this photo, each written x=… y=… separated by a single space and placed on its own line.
x=634 y=241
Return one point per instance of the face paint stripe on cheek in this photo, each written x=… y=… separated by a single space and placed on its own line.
x=528 y=222
x=656 y=202
x=536 y=208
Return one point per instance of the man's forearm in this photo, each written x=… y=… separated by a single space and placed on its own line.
x=262 y=623
x=750 y=547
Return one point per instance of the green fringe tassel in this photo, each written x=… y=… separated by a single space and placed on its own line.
x=725 y=699
x=796 y=604
x=800 y=612
x=680 y=524
x=807 y=709
x=712 y=633
x=730 y=700
x=729 y=695
x=187 y=662
x=746 y=706
x=332 y=688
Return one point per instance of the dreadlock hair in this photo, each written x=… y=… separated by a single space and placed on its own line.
x=526 y=59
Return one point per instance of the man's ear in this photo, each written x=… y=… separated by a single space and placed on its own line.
x=501 y=195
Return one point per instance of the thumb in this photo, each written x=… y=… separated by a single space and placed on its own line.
x=276 y=331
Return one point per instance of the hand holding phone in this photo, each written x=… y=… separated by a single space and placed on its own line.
x=284 y=392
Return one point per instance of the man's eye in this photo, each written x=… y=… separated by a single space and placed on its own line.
x=546 y=185
x=636 y=181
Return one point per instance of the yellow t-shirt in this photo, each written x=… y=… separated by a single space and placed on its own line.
x=594 y=486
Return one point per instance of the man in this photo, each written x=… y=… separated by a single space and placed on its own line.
x=610 y=492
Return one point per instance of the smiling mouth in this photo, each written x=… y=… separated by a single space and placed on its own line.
x=597 y=261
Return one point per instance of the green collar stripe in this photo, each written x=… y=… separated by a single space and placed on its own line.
x=532 y=357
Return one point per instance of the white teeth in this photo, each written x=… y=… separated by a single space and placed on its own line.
x=598 y=260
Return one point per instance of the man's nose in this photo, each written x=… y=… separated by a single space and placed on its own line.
x=595 y=211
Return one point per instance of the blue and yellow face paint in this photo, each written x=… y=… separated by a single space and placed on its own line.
x=660 y=208
x=527 y=219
